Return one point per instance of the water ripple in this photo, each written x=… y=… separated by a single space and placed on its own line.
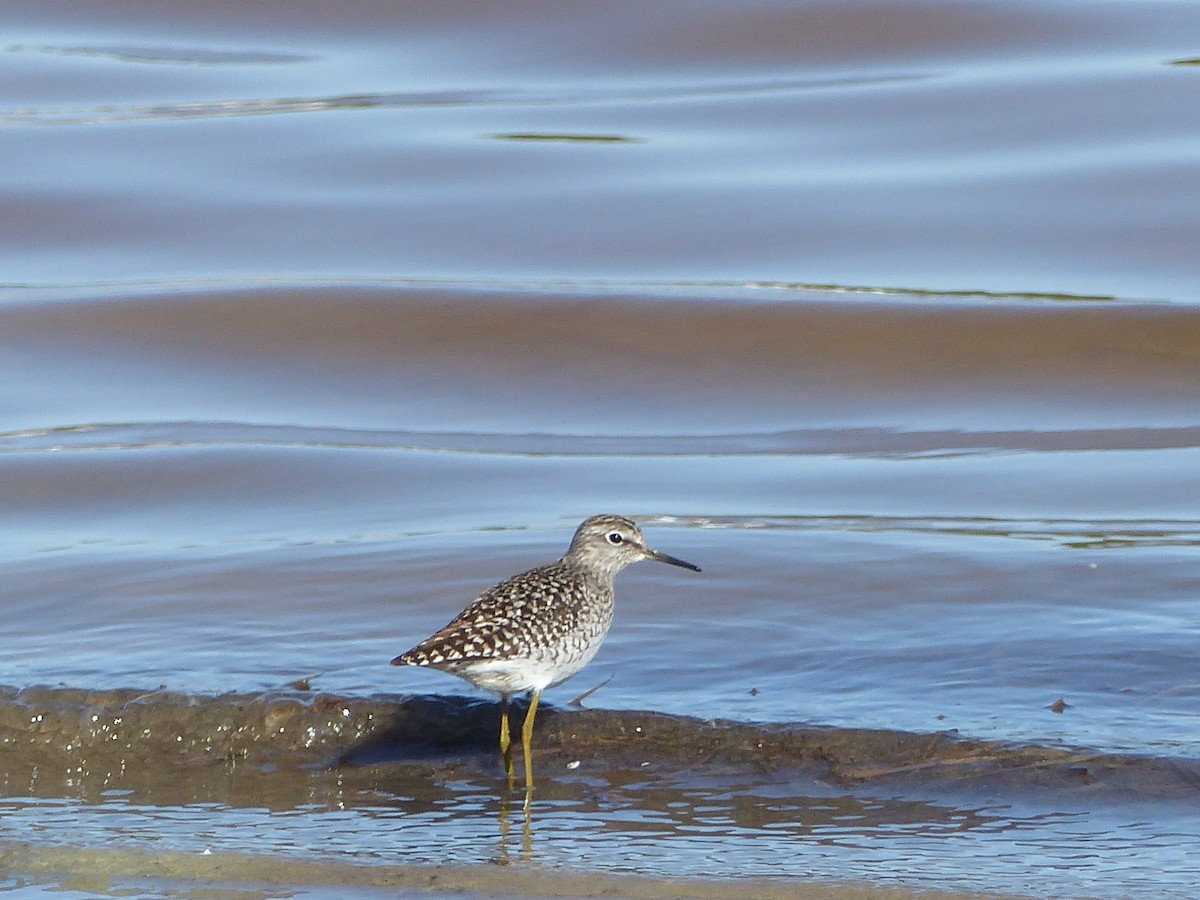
x=858 y=442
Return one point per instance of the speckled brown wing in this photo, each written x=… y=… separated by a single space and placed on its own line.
x=530 y=613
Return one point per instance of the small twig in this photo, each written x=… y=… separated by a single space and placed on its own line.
x=578 y=701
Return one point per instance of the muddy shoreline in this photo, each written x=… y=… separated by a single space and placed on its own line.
x=404 y=761
x=129 y=737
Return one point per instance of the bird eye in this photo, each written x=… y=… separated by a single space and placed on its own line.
x=614 y=537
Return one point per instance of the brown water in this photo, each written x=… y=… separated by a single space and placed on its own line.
x=313 y=324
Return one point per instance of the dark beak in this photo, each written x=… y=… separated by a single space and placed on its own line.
x=669 y=560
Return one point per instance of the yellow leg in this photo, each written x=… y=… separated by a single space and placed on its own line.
x=527 y=745
x=506 y=743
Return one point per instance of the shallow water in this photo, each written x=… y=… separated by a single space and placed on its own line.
x=311 y=327
x=712 y=830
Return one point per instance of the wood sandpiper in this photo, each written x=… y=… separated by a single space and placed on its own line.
x=537 y=629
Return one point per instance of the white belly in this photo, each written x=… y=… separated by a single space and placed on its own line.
x=510 y=677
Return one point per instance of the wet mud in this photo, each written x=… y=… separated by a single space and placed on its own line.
x=232 y=877
x=69 y=741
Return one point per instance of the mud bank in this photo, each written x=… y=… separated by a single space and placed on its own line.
x=77 y=739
